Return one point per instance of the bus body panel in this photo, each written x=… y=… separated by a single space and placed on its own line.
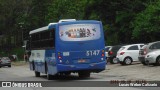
x=92 y=67
x=51 y=61
x=38 y=59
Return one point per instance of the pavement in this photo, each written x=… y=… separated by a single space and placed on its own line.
x=113 y=72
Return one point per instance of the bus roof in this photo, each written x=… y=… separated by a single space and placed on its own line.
x=52 y=24
x=38 y=30
x=41 y=29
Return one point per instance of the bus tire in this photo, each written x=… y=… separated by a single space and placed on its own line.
x=37 y=74
x=49 y=77
x=33 y=66
x=84 y=74
x=46 y=68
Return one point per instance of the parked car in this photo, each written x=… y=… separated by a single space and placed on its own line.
x=153 y=57
x=146 y=49
x=129 y=53
x=5 y=61
x=106 y=50
x=112 y=54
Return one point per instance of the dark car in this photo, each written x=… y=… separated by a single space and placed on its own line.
x=112 y=53
x=5 y=61
x=146 y=49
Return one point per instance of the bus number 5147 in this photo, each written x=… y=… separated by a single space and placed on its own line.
x=92 y=53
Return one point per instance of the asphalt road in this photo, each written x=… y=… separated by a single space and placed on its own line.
x=22 y=73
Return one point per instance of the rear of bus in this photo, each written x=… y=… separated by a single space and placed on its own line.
x=80 y=47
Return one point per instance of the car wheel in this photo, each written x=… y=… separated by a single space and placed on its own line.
x=9 y=65
x=158 y=61
x=128 y=61
x=0 y=66
x=115 y=60
x=49 y=77
x=112 y=60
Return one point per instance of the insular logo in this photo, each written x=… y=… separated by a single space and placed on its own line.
x=6 y=84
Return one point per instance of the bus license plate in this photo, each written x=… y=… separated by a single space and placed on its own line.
x=81 y=61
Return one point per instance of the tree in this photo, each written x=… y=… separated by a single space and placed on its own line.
x=146 y=23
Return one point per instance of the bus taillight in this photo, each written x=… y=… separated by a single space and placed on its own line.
x=103 y=53
x=59 y=57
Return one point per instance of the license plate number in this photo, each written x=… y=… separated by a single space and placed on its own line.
x=81 y=61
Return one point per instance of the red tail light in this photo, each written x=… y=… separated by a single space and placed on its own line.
x=102 y=54
x=145 y=51
x=59 y=57
x=122 y=53
x=110 y=52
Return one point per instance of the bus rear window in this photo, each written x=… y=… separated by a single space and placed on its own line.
x=79 y=32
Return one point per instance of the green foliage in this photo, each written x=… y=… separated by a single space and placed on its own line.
x=124 y=21
x=148 y=21
x=16 y=51
x=66 y=9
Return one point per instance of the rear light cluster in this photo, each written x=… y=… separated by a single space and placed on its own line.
x=145 y=51
x=59 y=57
x=122 y=53
x=103 y=53
x=110 y=53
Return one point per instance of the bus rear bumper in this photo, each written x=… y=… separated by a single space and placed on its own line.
x=92 y=67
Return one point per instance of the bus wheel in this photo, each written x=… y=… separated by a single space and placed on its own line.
x=37 y=74
x=84 y=74
x=33 y=66
x=49 y=77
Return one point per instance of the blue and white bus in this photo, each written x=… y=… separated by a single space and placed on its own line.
x=75 y=46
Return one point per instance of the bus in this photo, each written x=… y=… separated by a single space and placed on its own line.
x=68 y=46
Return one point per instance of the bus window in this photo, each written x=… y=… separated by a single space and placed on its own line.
x=45 y=39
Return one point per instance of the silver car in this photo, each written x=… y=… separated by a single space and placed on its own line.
x=153 y=57
x=5 y=61
x=146 y=49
